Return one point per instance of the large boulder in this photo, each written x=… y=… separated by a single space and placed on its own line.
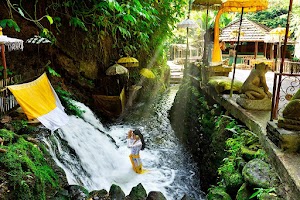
x=233 y=182
x=77 y=192
x=116 y=193
x=218 y=193
x=98 y=194
x=155 y=195
x=259 y=174
x=138 y=192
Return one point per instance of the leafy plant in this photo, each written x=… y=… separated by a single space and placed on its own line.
x=10 y=23
x=260 y=191
x=53 y=72
x=76 y=22
x=19 y=124
x=68 y=103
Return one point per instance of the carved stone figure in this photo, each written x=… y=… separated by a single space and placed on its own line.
x=291 y=114
x=255 y=92
x=255 y=87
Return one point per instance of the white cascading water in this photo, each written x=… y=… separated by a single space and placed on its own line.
x=97 y=157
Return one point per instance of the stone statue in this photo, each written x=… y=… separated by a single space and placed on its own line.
x=291 y=114
x=255 y=87
x=255 y=92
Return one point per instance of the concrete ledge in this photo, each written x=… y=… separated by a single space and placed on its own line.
x=286 y=164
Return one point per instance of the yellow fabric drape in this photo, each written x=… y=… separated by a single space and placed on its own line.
x=36 y=98
x=216 y=55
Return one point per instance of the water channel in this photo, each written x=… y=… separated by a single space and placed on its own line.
x=96 y=156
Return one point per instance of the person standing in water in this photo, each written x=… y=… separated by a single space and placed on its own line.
x=135 y=141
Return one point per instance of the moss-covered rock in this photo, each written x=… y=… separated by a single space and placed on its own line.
x=98 y=194
x=116 y=193
x=247 y=153
x=155 y=195
x=138 y=192
x=77 y=192
x=233 y=182
x=218 y=193
x=223 y=83
x=259 y=174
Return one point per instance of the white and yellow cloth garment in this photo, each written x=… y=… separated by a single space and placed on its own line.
x=136 y=146
x=39 y=101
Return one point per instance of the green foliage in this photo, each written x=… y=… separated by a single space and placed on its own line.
x=10 y=23
x=68 y=103
x=135 y=26
x=272 y=17
x=49 y=19
x=8 y=71
x=76 y=22
x=260 y=191
x=53 y=72
x=27 y=170
x=19 y=124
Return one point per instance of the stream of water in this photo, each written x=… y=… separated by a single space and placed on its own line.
x=96 y=156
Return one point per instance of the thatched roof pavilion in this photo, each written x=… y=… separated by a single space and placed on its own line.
x=253 y=38
x=251 y=31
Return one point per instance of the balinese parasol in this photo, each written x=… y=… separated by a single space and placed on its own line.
x=234 y=6
x=116 y=69
x=276 y=35
x=147 y=73
x=199 y=4
x=12 y=44
x=187 y=23
x=279 y=31
x=128 y=62
x=37 y=40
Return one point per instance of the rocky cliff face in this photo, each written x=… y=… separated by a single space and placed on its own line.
x=80 y=57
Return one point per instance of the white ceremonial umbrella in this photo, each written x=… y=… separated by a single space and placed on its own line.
x=11 y=44
x=187 y=23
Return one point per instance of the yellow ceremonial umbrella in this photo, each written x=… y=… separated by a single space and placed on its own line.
x=277 y=34
x=234 y=6
x=279 y=31
x=147 y=73
x=128 y=62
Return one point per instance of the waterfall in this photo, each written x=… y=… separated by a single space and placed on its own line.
x=97 y=157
